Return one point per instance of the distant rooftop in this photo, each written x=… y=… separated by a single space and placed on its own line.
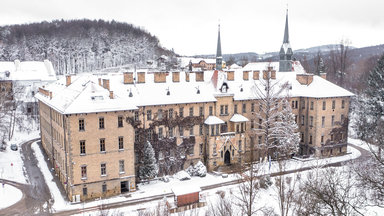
x=28 y=70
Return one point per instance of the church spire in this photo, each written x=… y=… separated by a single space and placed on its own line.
x=286 y=32
x=219 y=57
x=285 y=63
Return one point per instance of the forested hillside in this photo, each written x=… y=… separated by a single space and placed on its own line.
x=79 y=45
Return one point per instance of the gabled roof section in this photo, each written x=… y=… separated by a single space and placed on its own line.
x=83 y=96
x=213 y=120
x=238 y=118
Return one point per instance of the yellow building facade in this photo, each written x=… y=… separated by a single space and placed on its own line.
x=93 y=126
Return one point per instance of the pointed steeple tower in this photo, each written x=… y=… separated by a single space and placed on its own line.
x=286 y=32
x=285 y=63
x=219 y=57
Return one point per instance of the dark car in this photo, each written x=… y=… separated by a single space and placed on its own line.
x=14 y=147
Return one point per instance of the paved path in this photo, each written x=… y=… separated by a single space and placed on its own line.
x=364 y=154
x=36 y=198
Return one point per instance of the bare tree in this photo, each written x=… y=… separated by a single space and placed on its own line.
x=339 y=61
x=249 y=189
x=329 y=191
x=10 y=93
x=223 y=206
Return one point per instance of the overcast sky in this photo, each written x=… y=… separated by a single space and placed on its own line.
x=190 y=26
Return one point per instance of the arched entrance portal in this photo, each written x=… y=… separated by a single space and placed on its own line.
x=227 y=158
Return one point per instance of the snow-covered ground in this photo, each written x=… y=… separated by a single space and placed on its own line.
x=144 y=190
x=11 y=164
x=9 y=195
x=160 y=187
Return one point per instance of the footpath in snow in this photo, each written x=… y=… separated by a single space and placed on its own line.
x=159 y=187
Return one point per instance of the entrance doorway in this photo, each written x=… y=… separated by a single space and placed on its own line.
x=227 y=158
x=124 y=185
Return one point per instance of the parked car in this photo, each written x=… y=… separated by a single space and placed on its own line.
x=14 y=147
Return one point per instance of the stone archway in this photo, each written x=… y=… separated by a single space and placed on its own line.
x=227 y=158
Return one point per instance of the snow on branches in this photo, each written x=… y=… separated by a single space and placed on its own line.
x=148 y=168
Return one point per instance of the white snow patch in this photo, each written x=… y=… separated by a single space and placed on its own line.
x=9 y=195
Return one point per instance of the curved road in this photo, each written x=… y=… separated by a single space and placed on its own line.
x=36 y=198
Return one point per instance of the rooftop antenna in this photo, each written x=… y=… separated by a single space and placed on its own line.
x=130 y=93
x=198 y=90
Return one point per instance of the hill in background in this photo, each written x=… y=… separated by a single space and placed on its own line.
x=76 y=46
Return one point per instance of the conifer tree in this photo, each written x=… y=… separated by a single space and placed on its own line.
x=286 y=131
x=148 y=168
x=370 y=128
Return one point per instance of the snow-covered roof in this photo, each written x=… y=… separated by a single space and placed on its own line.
x=184 y=61
x=213 y=120
x=238 y=118
x=260 y=66
x=76 y=98
x=235 y=66
x=84 y=95
x=27 y=71
x=182 y=190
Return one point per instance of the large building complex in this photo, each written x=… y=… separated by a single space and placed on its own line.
x=93 y=126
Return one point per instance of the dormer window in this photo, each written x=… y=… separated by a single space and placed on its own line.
x=224 y=88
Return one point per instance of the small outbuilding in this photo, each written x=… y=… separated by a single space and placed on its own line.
x=186 y=197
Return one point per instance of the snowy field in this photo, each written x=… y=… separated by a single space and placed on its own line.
x=9 y=195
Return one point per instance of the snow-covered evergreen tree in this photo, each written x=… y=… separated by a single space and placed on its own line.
x=148 y=168
x=285 y=131
x=369 y=127
x=371 y=104
x=270 y=93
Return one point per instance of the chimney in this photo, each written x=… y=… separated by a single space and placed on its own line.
x=245 y=75
x=100 y=82
x=230 y=75
x=256 y=75
x=160 y=77
x=68 y=80
x=50 y=95
x=111 y=94
x=128 y=77
x=304 y=79
x=176 y=76
x=106 y=83
x=199 y=76
x=273 y=74
x=323 y=75
x=140 y=77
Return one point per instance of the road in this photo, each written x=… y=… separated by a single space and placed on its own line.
x=36 y=198
x=364 y=155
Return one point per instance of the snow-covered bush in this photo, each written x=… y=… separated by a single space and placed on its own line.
x=183 y=175
x=198 y=169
